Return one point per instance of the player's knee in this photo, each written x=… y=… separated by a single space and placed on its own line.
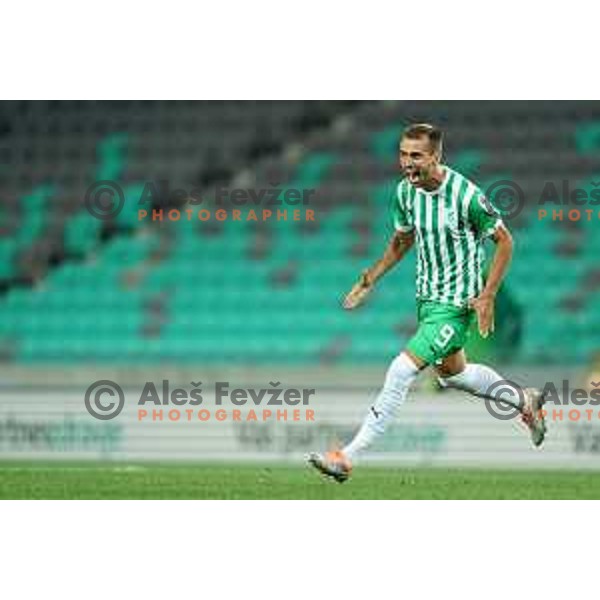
x=446 y=376
x=445 y=371
x=443 y=381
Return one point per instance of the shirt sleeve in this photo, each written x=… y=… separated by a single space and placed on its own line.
x=483 y=217
x=400 y=218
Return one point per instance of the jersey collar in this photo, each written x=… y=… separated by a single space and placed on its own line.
x=442 y=185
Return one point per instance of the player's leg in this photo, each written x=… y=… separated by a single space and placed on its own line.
x=454 y=371
x=401 y=373
x=482 y=381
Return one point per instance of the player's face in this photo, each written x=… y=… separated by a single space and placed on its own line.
x=418 y=160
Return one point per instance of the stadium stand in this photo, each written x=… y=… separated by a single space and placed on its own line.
x=76 y=289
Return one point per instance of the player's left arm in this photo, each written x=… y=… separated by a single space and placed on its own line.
x=484 y=303
x=487 y=223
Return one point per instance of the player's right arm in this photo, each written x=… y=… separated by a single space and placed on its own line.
x=399 y=245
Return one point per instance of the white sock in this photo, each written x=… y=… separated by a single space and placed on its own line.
x=401 y=373
x=477 y=379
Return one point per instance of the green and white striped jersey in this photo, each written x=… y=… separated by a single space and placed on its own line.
x=450 y=225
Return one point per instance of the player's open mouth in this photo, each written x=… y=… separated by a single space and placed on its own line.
x=412 y=175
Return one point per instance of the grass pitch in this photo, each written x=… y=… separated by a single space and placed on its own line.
x=237 y=482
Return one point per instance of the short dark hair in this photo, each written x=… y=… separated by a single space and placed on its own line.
x=433 y=134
